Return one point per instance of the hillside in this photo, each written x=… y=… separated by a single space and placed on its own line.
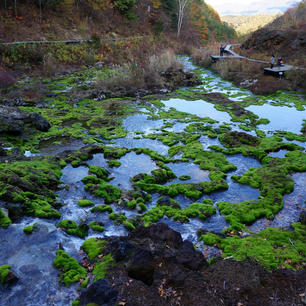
x=149 y=25
x=248 y=23
x=285 y=36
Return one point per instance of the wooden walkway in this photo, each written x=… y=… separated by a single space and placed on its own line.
x=67 y=42
x=276 y=71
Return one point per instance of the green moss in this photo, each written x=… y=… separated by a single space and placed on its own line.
x=273 y=181
x=71 y=228
x=4 y=220
x=75 y=303
x=32 y=183
x=101 y=268
x=162 y=176
x=97 y=226
x=210 y=239
x=114 y=163
x=29 y=229
x=185 y=177
x=101 y=173
x=154 y=155
x=94 y=247
x=102 y=208
x=103 y=190
x=85 y=203
x=171 y=208
x=115 y=153
x=84 y=283
x=273 y=248
x=4 y=272
x=238 y=142
x=70 y=270
x=131 y=204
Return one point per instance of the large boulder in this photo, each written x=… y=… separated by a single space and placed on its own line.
x=100 y=293
x=39 y=122
x=13 y=121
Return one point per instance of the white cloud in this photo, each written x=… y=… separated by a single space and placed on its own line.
x=241 y=7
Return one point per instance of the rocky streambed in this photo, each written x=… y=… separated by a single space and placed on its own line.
x=133 y=201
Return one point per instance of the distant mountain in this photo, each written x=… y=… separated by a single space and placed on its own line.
x=248 y=23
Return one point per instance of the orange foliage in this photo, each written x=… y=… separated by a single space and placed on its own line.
x=197 y=19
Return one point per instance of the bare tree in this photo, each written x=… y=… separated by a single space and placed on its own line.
x=15 y=7
x=181 y=12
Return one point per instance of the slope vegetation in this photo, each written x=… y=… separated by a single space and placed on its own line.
x=285 y=36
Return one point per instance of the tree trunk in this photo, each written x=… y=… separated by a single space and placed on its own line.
x=181 y=11
x=40 y=13
x=15 y=7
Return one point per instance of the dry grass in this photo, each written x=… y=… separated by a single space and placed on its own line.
x=226 y=68
x=132 y=75
x=202 y=57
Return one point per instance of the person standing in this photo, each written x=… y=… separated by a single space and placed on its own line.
x=221 y=50
x=272 y=61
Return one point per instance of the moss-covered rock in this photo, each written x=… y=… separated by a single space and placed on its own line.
x=97 y=226
x=4 y=272
x=85 y=203
x=32 y=184
x=168 y=207
x=70 y=270
x=100 y=172
x=4 y=220
x=101 y=267
x=71 y=228
x=273 y=181
x=102 y=208
x=273 y=248
x=94 y=247
x=30 y=229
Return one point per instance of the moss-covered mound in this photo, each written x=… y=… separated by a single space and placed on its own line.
x=273 y=248
x=168 y=207
x=32 y=185
x=71 y=228
x=70 y=270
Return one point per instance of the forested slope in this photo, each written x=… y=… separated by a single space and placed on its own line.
x=285 y=36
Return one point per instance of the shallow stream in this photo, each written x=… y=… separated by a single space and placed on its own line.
x=31 y=256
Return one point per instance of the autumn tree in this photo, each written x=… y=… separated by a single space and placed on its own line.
x=182 y=4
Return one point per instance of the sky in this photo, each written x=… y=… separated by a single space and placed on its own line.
x=247 y=7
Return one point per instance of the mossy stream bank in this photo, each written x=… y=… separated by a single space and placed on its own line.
x=215 y=162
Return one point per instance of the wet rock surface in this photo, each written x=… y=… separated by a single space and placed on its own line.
x=154 y=266
x=14 y=121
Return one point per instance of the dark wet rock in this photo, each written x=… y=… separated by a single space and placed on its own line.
x=302 y=218
x=141 y=266
x=154 y=266
x=11 y=279
x=39 y=122
x=18 y=101
x=14 y=121
x=2 y=151
x=100 y=293
x=167 y=201
x=11 y=119
x=160 y=233
x=189 y=258
x=15 y=211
